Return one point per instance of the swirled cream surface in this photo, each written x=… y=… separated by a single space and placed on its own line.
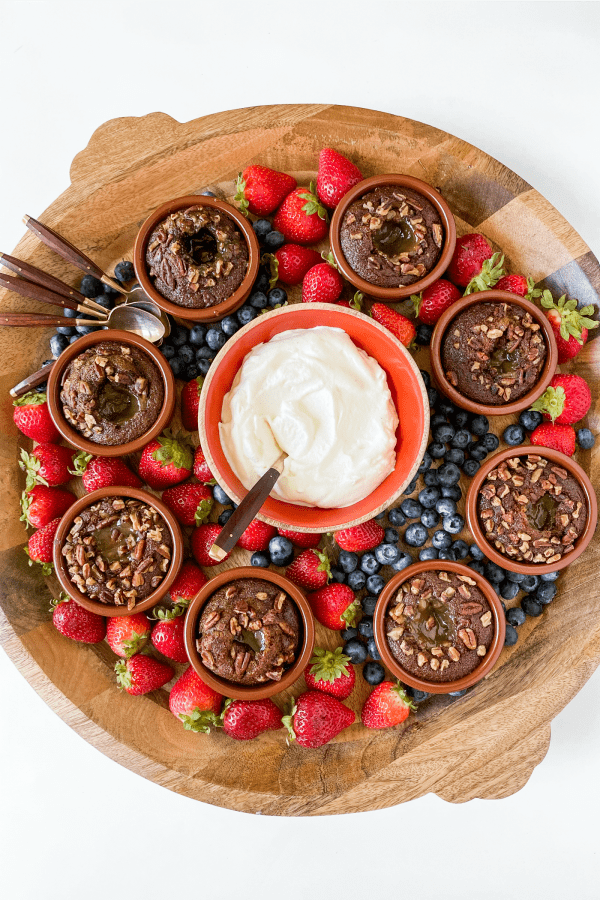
x=316 y=396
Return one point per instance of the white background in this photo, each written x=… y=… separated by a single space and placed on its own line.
x=520 y=81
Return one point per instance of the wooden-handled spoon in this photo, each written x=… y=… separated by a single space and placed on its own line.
x=35 y=292
x=36 y=276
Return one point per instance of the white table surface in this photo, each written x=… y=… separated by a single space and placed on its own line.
x=518 y=80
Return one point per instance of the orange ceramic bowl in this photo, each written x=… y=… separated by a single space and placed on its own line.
x=405 y=383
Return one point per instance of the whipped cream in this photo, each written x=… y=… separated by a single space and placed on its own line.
x=315 y=395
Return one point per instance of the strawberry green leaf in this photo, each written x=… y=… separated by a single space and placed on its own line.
x=31 y=399
x=270 y=260
x=492 y=271
x=399 y=689
x=173 y=452
x=56 y=601
x=203 y=511
x=288 y=723
x=47 y=567
x=240 y=196
x=313 y=205
x=329 y=258
x=351 y=614
x=124 y=680
x=416 y=300
x=551 y=402
x=80 y=463
x=31 y=466
x=200 y=720
x=532 y=292
x=328 y=665
x=356 y=302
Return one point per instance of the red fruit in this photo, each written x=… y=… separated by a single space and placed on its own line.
x=301 y=218
x=201 y=470
x=322 y=284
x=40 y=546
x=401 y=327
x=187 y=583
x=167 y=637
x=492 y=270
x=261 y=190
x=102 y=471
x=32 y=418
x=469 y=255
x=335 y=177
x=301 y=538
x=557 y=437
x=518 y=284
x=332 y=672
x=294 y=261
x=256 y=536
x=47 y=464
x=386 y=705
x=360 y=537
x=77 y=623
x=311 y=570
x=434 y=300
x=569 y=324
x=165 y=461
x=126 y=635
x=190 y=401
x=190 y=503
x=194 y=702
x=316 y=718
x=42 y=504
x=203 y=538
x=335 y=606
x=566 y=400
x=246 y=719
x=142 y=674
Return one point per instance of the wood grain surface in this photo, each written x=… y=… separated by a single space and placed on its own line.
x=484 y=744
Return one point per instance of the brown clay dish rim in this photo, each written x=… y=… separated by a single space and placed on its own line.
x=55 y=408
x=392 y=663
x=209 y=313
x=473 y=406
x=391 y=295
x=230 y=688
x=104 y=609
x=479 y=535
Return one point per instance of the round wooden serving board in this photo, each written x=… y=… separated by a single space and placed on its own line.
x=484 y=744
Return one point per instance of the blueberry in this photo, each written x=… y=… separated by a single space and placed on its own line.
x=348 y=634
x=124 y=271
x=281 y=550
x=203 y=365
x=229 y=325
x=447 y=554
x=277 y=296
x=177 y=367
x=512 y=635
x=549 y=576
x=431 y=478
x=404 y=560
x=386 y=554
x=396 y=516
x=90 y=286
x=432 y=396
x=74 y=338
x=436 y=450
x=391 y=536
x=186 y=353
x=204 y=353
x=490 y=441
x=67 y=330
x=546 y=592
x=207 y=193
x=410 y=487
x=191 y=371
x=460 y=418
x=531 y=607
x=446 y=407
x=71 y=313
x=430 y=518
x=460 y=549
x=372 y=649
x=428 y=553
x=355 y=650
x=423 y=335
x=215 y=339
x=477 y=566
x=86 y=329
x=443 y=433
x=375 y=584
x=347 y=561
x=412 y=509
x=381 y=516
x=259 y=558
x=220 y=496
x=493 y=573
x=369 y=564
x=508 y=590
x=477 y=451
x=471 y=467
x=441 y=540
x=373 y=673
x=585 y=438
x=258 y=300
x=451 y=492
x=428 y=497
x=356 y=580
x=246 y=313
x=437 y=419
x=449 y=473
x=461 y=439
x=517 y=577
x=197 y=335
x=107 y=300
x=338 y=575
x=365 y=627
x=530 y=583
x=513 y=435
x=262 y=227
x=225 y=516
x=515 y=616
x=179 y=335
x=419 y=696
x=453 y=524
x=425 y=376
x=425 y=463
x=273 y=241
x=476 y=553
x=530 y=419
x=58 y=343
x=479 y=425
x=457 y=693
x=446 y=507
x=453 y=455
x=262 y=280
x=368 y=604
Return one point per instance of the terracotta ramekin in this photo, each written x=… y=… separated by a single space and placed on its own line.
x=307 y=635
x=391 y=295
x=489 y=659
x=406 y=387
x=445 y=321
x=210 y=313
x=60 y=567
x=55 y=407
x=478 y=532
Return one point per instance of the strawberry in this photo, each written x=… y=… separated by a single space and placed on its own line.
x=360 y=537
x=77 y=623
x=401 y=327
x=141 y=674
x=32 y=418
x=566 y=400
x=469 y=255
x=165 y=461
x=167 y=637
x=42 y=504
x=190 y=503
x=127 y=635
x=335 y=606
x=557 y=437
x=246 y=719
x=40 y=546
x=434 y=300
x=518 y=284
x=355 y=303
x=294 y=261
x=261 y=190
x=187 y=584
x=332 y=672
x=194 y=702
x=301 y=218
x=335 y=177
x=386 y=705
x=203 y=538
x=322 y=284
x=492 y=270
x=190 y=401
x=301 y=538
x=201 y=470
x=47 y=464
x=103 y=471
x=569 y=324
x=311 y=570
x=316 y=718
x=256 y=536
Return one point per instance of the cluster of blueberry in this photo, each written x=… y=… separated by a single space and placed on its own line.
x=268 y=237
x=529 y=419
